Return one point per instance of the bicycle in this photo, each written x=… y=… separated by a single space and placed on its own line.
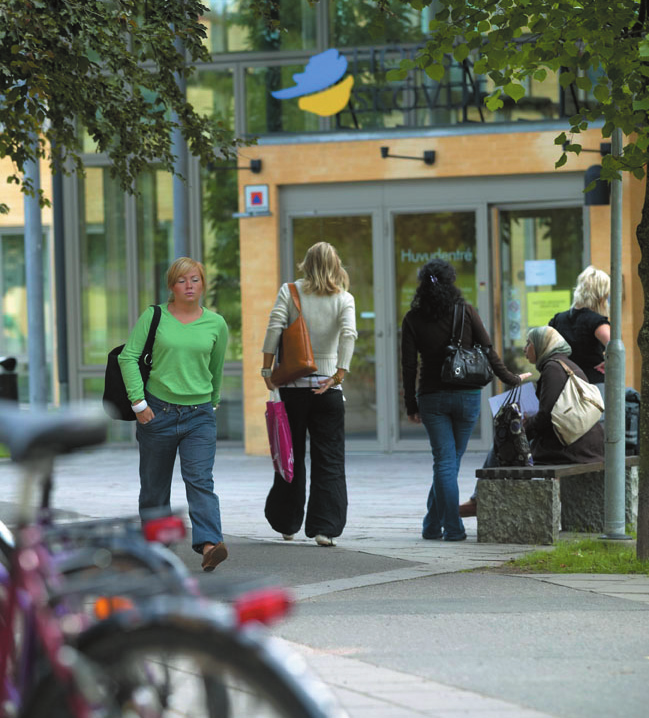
x=167 y=653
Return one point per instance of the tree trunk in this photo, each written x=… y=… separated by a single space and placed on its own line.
x=642 y=233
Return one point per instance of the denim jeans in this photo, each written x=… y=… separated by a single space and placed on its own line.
x=189 y=431
x=323 y=417
x=449 y=417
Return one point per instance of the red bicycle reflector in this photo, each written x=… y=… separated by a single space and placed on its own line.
x=165 y=529
x=263 y=605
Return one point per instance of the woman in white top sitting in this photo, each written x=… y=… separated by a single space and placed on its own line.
x=314 y=404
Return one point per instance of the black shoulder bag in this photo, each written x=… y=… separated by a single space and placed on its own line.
x=116 y=402
x=464 y=367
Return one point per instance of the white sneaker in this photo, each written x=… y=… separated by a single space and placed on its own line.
x=288 y=537
x=325 y=540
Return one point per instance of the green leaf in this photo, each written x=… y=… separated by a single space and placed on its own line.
x=494 y=103
x=561 y=161
x=583 y=83
x=435 y=72
x=560 y=139
x=643 y=47
x=540 y=75
x=641 y=104
x=566 y=79
x=461 y=52
x=395 y=75
x=602 y=93
x=514 y=90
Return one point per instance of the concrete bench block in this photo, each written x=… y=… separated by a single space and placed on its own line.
x=511 y=511
x=582 y=500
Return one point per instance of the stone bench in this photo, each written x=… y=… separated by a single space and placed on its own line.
x=531 y=504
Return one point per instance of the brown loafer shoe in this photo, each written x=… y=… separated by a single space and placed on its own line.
x=213 y=556
x=468 y=508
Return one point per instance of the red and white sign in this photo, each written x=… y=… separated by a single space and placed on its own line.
x=256 y=198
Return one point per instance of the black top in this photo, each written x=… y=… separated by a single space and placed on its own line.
x=429 y=339
x=577 y=327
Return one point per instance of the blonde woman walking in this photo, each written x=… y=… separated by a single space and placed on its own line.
x=314 y=404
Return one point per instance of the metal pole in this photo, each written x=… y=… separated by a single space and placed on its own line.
x=35 y=283
x=59 y=279
x=180 y=186
x=614 y=477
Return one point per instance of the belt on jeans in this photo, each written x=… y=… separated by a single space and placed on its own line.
x=169 y=405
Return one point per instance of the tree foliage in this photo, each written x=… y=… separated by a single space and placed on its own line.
x=110 y=67
x=599 y=49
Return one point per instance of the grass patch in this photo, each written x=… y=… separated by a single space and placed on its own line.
x=4 y=452
x=588 y=555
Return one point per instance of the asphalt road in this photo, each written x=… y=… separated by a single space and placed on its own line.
x=568 y=653
x=385 y=604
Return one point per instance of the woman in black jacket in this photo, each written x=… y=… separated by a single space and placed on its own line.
x=448 y=413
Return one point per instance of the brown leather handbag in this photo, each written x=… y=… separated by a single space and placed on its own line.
x=295 y=356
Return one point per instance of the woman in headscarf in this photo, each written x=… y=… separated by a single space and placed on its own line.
x=544 y=348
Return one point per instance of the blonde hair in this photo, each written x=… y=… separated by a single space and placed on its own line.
x=182 y=266
x=592 y=290
x=323 y=271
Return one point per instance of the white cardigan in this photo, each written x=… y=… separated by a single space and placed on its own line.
x=330 y=319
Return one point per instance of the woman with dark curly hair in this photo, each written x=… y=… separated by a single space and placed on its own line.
x=448 y=413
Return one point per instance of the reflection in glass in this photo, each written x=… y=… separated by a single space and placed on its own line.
x=211 y=93
x=13 y=305
x=352 y=237
x=233 y=26
x=266 y=114
x=154 y=213
x=356 y=23
x=551 y=235
x=104 y=301
x=419 y=238
x=223 y=293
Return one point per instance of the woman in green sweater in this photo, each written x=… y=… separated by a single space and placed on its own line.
x=175 y=412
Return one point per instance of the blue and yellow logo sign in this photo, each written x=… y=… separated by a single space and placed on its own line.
x=319 y=87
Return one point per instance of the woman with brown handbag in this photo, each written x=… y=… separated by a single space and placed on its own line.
x=314 y=403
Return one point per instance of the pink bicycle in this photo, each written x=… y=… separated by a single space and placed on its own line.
x=166 y=652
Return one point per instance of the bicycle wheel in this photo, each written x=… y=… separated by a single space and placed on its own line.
x=165 y=670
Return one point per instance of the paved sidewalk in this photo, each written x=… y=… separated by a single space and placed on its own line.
x=387 y=495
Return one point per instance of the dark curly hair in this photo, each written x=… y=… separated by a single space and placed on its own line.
x=436 y=294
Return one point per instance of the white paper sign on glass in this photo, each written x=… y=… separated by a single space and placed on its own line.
x=540 y=272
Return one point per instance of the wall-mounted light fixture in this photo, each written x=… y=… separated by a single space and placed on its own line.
x=601 y=192
x=428 y=157
x=255 y=167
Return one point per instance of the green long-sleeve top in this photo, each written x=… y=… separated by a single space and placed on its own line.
x=187 y=358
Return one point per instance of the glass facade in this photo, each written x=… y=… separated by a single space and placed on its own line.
x=124 y=244
x=102 y=265
x=266 y=60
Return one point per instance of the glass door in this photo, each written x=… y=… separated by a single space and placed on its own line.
x=352 y=237
x=420 y=237
x=541 y=254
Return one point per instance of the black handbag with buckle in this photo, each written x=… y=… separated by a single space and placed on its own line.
x=465 y=366
x=511 y=446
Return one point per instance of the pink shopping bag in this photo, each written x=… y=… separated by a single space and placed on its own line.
x=279 y=438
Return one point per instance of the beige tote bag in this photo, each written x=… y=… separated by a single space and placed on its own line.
x=578 y=408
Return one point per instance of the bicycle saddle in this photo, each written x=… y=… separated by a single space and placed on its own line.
x=36 y=434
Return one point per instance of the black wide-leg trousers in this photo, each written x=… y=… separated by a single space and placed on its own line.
x=323 y=417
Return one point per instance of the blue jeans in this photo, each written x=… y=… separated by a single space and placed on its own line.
x=449 y=417
x=189 y=431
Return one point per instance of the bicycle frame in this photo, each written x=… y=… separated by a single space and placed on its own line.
x=27 y=613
